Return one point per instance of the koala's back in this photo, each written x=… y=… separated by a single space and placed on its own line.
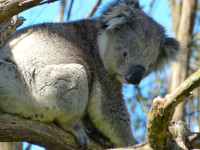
x=46 y=44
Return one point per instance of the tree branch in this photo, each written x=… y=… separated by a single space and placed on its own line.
x=48 y=135
x=164 y=133
x=9 y=8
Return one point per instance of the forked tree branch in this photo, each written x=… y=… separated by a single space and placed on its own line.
x=162 y=111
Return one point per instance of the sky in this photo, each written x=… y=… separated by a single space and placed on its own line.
x=48 y=12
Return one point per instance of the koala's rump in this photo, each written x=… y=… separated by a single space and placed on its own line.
x=34 y=53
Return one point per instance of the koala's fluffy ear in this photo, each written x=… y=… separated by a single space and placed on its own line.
x=169 y=52
x=118 y=13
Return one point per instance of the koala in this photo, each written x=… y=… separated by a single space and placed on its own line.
x=60 y=72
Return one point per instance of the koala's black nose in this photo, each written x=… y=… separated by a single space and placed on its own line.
x=134 y=76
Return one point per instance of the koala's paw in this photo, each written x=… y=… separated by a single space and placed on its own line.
x=81 y=137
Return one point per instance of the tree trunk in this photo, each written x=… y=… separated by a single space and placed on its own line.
x=183 y=15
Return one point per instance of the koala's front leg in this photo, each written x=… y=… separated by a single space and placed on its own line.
x=110 y=116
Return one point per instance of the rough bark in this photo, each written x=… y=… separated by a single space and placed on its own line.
x=183 y=15
x=50 y=136
x=162 y=111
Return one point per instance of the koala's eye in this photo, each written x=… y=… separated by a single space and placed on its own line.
x=125 y=54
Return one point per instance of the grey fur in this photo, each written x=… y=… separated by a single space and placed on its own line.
x=62 y=71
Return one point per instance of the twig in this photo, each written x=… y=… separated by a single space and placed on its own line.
x=151 y=6
x=94 y=8
x=70 y=9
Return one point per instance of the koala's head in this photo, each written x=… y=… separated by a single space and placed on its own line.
x=132 y=44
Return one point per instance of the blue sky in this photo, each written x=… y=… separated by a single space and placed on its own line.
x=47 y=13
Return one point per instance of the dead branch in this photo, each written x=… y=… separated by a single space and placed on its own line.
x=182 y=135
x=9 y=8
x=94 y=8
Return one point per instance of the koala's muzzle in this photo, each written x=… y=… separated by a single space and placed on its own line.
x=135 y=75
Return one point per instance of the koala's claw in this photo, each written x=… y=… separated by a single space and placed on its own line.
x=83 y=141
x=81 y=137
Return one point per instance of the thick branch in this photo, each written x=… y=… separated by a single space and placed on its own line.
x=9 y=8
x=50 y=136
